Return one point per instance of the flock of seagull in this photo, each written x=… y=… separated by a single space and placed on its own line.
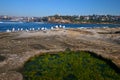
x=33 y=29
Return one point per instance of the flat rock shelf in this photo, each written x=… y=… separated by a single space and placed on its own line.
x=18 y=47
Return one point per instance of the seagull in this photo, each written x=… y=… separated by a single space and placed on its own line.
x=63 y=27
x=13 y=29
x=21 y=29
x=8 y=30
x=52 y=28
x=18 y=29
x=26 y=30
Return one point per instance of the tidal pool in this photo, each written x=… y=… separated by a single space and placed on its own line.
x=68 y=65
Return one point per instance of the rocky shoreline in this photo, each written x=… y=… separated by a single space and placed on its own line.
x=19 y=47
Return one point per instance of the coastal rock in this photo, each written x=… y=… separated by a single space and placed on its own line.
x=11 y=75
x=19 y=47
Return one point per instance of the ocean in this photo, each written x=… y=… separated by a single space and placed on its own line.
x=37 y=25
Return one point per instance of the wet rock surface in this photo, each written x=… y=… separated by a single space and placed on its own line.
x=2 y=58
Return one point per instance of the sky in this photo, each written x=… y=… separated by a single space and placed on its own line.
x=63 y=7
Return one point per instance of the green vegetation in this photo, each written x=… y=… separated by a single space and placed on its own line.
x=68 y=65
x=86 y=19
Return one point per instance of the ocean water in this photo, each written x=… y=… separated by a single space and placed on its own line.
x=10 y=25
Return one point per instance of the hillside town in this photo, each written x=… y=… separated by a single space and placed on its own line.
x=65 y=19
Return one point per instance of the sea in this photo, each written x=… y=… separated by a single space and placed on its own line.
x=4 y=26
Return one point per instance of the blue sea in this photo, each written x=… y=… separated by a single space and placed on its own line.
x=27 y=25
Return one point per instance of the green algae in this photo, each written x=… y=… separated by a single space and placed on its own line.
x=68 y=65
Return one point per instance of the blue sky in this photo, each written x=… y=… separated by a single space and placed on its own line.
x=63 y=7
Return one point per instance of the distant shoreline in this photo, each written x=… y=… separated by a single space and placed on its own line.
x=84 y=23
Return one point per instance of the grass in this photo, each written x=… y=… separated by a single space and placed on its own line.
x=68 y=65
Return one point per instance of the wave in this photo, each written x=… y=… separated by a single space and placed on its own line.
x=1 y=22
x=11 y=22
x=39 y=22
